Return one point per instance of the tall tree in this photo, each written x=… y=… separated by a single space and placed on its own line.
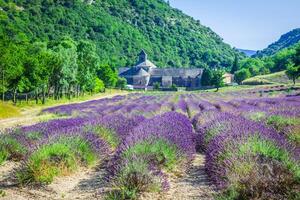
x=88 y=62
x=12 y=58
x=66 y=75
x=218 y=79
x=235 y=66
x=108 y=75
x=241 y=75
x=206 y=77
x=293 y=72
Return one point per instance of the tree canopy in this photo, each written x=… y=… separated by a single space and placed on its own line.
x=118 y=30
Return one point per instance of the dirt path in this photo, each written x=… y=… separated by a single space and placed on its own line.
x=85 y=184
x=194 y=185
x=31 y=116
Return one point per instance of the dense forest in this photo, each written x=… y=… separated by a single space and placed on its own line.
x=287 y=40
x=119 y=29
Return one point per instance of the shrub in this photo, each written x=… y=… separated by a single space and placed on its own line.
x=268 y=179
x=121 y=83
x=251 y=166
x=157 y=151
x=106 y=134
x=134 y=178
x=99 y=86
x=290 y=126
x=241 y=75
x=174 y=87
x=59 y=158
x=156 y=86
x=161 y=143
x=11 y=149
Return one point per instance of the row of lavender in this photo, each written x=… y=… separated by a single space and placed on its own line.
x=143 y=139
x=151 y=136
x=252 y=145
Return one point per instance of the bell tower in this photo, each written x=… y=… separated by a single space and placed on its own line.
x=142 y=57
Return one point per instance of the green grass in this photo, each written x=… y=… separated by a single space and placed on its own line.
x=58 y=159
x=247 y=176
x=256 y=145
x=217 y=129
x=274 y=78
x=10 y=149
x=106 y=134
x=280 y=123
x=7 y=110
x=134 y=178
x=256 y=116
x=65 y=100
x=162 y=151
x=135 y=175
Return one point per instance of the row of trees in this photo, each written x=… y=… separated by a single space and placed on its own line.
x=63 y=67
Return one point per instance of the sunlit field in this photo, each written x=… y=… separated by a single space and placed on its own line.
x=250 y=140
x=8 y=110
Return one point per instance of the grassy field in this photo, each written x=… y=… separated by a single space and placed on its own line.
x=8 y=110
x=275 y=78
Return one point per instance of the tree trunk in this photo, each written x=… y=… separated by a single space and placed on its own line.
x=3 y=93
x=44 y=96
x=14 y=97
x=77 y=91
x=36 y=97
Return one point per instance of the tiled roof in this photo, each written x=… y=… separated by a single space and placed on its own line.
x=135 y=71
x=146 y=63
x=176 y=72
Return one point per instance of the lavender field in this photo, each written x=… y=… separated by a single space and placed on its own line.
x=250 y=140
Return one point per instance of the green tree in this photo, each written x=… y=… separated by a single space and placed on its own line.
x=12 y=57
x=99 y=85
x=174 y=87
x=88 y=62
x=121 y=83
x=38 y=68
x=207 y=77
x=282 y=59
x=108 y=75
x=156 y=86
x=218 y=79
x=66 y=75
x=235 y=66
x=296 y=57
x=241 y=75
x=293 y=73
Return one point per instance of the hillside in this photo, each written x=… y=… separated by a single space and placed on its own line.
x=120 y=29
x=287 y=40
x=274 y=78
x=247 y=52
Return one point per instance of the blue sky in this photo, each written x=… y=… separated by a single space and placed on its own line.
x=243 y=23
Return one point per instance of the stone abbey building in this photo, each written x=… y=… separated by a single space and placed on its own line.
x=145 y=74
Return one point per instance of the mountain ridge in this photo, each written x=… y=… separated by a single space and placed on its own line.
x=285 y=41
x=247 y=52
